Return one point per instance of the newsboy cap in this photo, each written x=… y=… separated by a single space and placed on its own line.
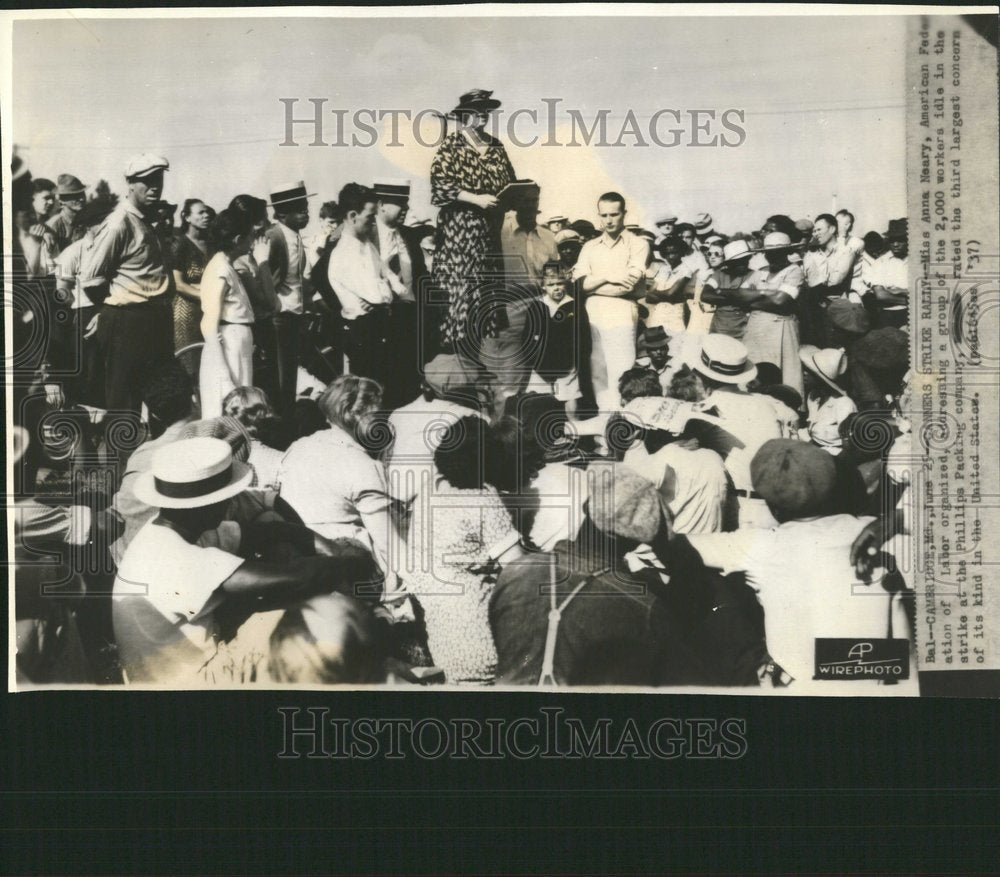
x=144 y=164
x=795 y=478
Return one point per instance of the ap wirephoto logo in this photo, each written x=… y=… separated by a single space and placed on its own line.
x=862 y=659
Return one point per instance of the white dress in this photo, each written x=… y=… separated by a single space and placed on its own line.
x=227 y=358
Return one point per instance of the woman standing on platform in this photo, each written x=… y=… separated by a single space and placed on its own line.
x=470 y=169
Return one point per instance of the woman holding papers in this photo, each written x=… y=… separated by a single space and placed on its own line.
x=471 y=168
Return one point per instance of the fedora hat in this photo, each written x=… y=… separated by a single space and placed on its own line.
x=476 y=101
x=725 y=360
x=392 y=190
x=702 y=224
x=193 y=473
x=556 y=218
x=286 y=193
x=734 y=251
x=776 y=241
x=67 y=185
x=828 y=364
x=666 y=219
x=655 y=338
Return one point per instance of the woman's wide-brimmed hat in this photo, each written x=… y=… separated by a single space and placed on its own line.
x=725 y=360
x=479 y=100
x=193 y=473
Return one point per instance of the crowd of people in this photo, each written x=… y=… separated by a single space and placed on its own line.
x=484 y=450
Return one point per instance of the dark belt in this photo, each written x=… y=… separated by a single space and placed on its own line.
x=748 y=494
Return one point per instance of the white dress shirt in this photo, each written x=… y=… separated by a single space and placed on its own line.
x=808 y=588
x=887 y=271
x=608 y=258
x=355 y=274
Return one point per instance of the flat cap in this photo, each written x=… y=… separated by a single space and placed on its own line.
x=144 y=164
x=795 y=478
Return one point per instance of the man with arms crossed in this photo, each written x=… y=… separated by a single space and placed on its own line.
x=611 y=269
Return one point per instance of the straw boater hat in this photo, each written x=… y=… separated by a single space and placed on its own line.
x=394 y=190
x=666 y=219
x=193 y=473
x=828 y=364
x=287 y=193
x=144 y=164
x=479 y=100
x=725 y=360
x=556 y=218
x=736 y=251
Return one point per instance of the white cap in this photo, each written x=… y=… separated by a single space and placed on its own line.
x=145 y=163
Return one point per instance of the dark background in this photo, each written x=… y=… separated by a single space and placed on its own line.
x=119 y=782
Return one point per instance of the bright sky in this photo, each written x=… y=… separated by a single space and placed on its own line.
x=823 y=98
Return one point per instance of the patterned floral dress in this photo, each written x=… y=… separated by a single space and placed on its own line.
x=188 y=258
x=456 y=576
x=466 y=235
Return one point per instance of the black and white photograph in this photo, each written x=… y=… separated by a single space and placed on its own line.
x=481 y=348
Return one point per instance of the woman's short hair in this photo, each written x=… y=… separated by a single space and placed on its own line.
x=248 y=405
x=331 y=210
x=226 y=227
x=466 y=447
x=40 y=184
x=350 y=401
x=251 y=206
x=637 y=383
x=685 y=385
